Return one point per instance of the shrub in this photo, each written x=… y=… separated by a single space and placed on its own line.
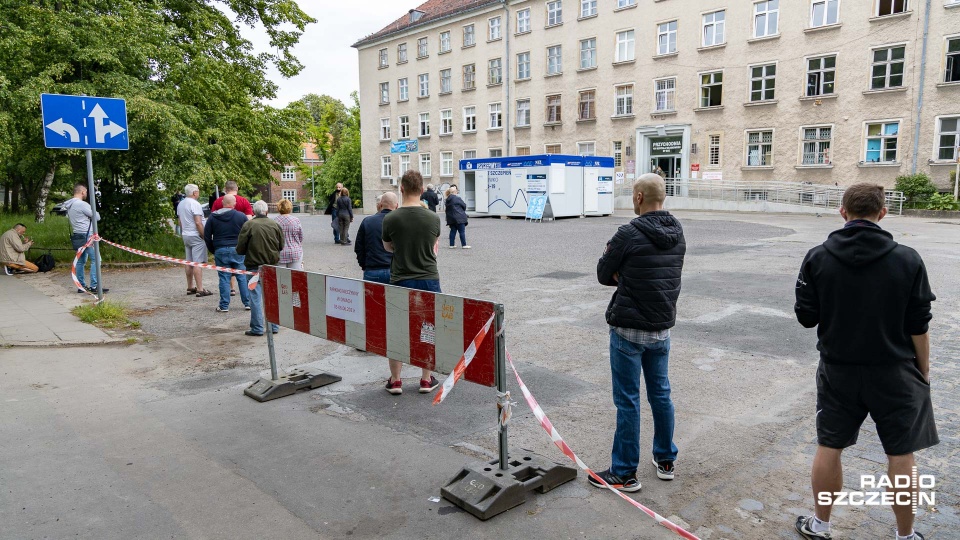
x=942 y=201
x=917 y=188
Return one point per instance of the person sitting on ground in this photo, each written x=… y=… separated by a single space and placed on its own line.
x=261 y=241
x=456 y=212
x=292 y=254
x=13 y=246
x=344 y=216
x=372 y=257
x=220 y=236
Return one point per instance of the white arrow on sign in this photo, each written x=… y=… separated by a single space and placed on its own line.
x=64 y=129
x=103 y=129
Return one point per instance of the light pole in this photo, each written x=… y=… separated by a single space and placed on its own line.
x=956 y=177
x=313 y=186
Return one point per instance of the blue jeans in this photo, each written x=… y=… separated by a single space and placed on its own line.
x=256 y=311
x=462 y=229
x=78 y=240
x=336 y=225
x=377 y=276
x=429 y=285
x=628 y=361
x=227 y=257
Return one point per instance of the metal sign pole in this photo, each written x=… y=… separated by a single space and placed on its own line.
x=501 y=380
x=93 y=220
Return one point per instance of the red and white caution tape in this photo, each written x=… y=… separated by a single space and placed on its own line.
x=252 y=283
x=465 y=360
x=567 y=451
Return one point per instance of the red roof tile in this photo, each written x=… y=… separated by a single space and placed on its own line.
x=433 y=10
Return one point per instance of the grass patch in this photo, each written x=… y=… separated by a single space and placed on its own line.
x=54 y=233
x=106 y=314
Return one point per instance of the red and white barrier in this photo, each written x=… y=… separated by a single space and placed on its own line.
x=420 y=328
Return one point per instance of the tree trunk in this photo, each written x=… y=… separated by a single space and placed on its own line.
x=15 y=196
x=41 y=209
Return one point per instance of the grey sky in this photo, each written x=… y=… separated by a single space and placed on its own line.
x=330 y=64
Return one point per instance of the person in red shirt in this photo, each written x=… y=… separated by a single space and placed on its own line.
x=243 y=206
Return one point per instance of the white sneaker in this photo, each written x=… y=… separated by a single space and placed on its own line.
x=466 y=247
x=453 y=247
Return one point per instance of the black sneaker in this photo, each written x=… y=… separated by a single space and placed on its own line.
x=665 y=469
x=628 y=484
x=804 y=526
x=94 y=290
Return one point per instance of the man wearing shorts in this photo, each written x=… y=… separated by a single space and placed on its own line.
x=412 y=234
x=870 y=298
x=190 y=214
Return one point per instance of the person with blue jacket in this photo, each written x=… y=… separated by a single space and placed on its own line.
x=456 y=211
x=220 y=235
x=371 y=255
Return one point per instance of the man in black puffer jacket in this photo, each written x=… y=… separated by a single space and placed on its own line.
x=643 y=261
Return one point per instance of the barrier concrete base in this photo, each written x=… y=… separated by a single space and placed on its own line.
x=484 y=490
x=293 y=382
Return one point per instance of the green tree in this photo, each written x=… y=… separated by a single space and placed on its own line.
x=194 y=89
x=330 y=117
x=344 y=166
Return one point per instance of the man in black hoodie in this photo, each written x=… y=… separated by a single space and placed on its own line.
x=871 y=299
x=220 y=234
x=643 y=261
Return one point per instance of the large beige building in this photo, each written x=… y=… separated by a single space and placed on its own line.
x=823 y=91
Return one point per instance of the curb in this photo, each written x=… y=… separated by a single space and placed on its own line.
x=56 y=344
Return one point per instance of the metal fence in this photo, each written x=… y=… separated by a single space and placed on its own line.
x=802 y=194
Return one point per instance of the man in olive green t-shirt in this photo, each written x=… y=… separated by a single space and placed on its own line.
x=412 y=234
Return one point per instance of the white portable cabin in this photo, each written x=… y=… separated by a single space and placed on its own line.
x=574 y=185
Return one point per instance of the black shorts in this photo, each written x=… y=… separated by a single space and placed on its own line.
x=895 y=396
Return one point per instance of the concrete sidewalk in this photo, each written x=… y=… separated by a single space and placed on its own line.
x=31 y=318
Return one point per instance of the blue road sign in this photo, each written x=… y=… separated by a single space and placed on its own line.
x=84 y=122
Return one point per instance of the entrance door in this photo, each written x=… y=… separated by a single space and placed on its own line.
x=669 y=168
x=591 y=188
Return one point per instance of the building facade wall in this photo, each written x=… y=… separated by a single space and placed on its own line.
x=847 y=111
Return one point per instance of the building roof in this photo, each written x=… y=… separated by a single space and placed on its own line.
x=432 y=10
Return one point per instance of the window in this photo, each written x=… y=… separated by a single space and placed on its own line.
x=887 y=69
x=422 y=50
x=496 y=152
x=766 y=18
x=384 y=61
x=821 y=73
x=303 y=154
x=713 y=150
x=759 y=148
x=384 y=129
x=445 y=41
x=587 y=105
x=402 y=53
x=495 y=116
x=523 y=112
x=551 y=148
x=523 y=151
x=953 y=60
x=424 y=85
x=446 y=163
x=495 y=72
x=494 y=29
x=403 y=88
x=618 y=153
x=425 y=165
x=469 y=38
x=587 y=149
x=624 y=100
x=625 y=3
x=469 y=77
x=384 y=93
x=713 y=28
x=446 y=121
x=949 y=138
x=665 y=94
x=891 y=7
x=554 y=60
x=882 y=142
x=625 y=46
x=816 y=145
x=763 y=82
x=553 y=110
x=469 y=119
x=523 y=21
x=424 y=130
x=523 y=65
x=386 y=166
x=469 y=154
x=404 y=164
x=404 y=123
x=288 y=174
x=711 y=89
x=667 y=38
x=588 y=8
x=824 y=13
x=554 y=12
x=588 y=53
x=290 y=195
x=446 y=81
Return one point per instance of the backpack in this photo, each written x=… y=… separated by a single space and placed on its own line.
x=45 y=263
